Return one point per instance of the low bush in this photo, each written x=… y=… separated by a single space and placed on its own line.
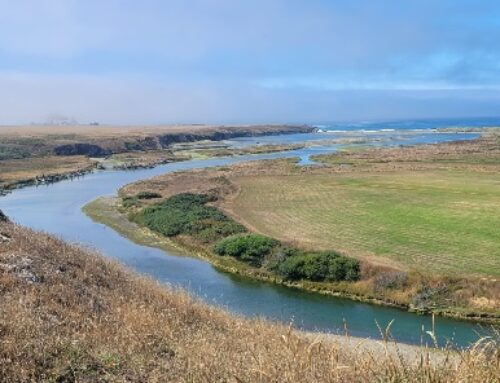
x=187 y=213
x=9 y=153
x=130 y=202
x=148 y=195
x=390 y=280
x=324 y=266
x=428 y=295
x=250 y=248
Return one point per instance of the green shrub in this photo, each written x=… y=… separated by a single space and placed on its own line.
x=8 y=153
x=148 y=195
x=324 y=266
x=187 y=213
x=250 y=248
x=130 y=202
x=132 y=145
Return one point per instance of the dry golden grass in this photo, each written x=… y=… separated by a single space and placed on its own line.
x=67 y=315
x=109 y=131
x=12 y=171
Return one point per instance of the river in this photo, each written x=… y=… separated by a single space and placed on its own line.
x=56 y=209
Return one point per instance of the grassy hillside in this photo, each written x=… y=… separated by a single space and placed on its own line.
x=67 y=315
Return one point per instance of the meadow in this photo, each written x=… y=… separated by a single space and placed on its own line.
x=433 y=221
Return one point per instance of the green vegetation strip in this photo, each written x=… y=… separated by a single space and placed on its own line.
x=189 y=215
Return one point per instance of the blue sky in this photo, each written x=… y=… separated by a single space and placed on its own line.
x=230 y=61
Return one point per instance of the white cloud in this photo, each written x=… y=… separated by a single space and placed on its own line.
x=233 y=60
x=127 y=100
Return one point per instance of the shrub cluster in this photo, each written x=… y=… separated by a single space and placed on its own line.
x=390 y=280
x=250 y=248
x=322 y=266
x=148 y=195
x=130 y=202
x=9 y=153
x=188 y=213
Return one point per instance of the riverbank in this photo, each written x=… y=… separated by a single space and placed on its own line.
x=110 y=211
x=68 y=314
x=30 y=155
x=19 y=173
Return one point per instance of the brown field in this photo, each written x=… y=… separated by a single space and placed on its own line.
x=19 y=170
x=122 y=130
x=71 y=316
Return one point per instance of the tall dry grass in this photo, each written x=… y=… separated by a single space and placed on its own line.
x=67 y=315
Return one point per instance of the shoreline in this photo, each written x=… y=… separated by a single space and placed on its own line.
x=97 y=164
x=105 y=211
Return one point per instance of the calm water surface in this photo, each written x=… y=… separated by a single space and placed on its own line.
x=57 y=209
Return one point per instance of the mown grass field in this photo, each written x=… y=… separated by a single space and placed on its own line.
x=442 y=221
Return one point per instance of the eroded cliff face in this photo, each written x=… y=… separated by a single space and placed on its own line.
x=162 y=141
x=79 y=149
x=168 y=139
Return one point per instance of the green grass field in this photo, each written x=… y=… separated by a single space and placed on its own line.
x=442 y=221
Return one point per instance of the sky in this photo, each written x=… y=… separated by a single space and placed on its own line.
x=253 y=61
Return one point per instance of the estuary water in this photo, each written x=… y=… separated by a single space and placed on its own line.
x=56 y=209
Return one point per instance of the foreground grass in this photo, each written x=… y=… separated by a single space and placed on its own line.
x=67 y=315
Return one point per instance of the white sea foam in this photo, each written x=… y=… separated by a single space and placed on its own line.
x=336 y=131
